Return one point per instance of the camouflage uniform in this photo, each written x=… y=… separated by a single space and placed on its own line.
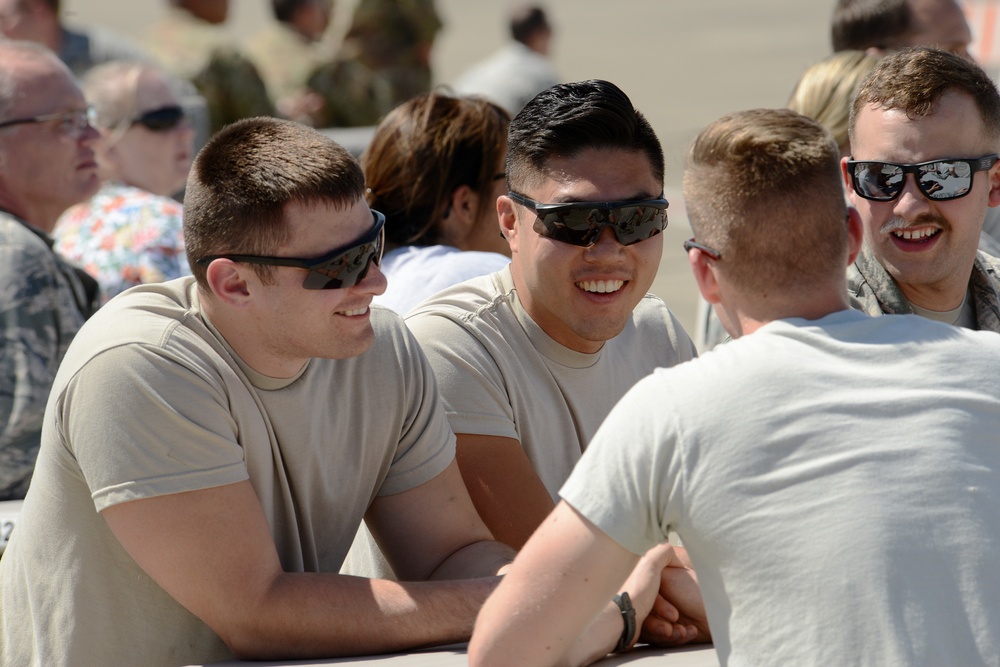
x=43 y=302
x=382 y=63
x=873 y=290
x=285 y=59
x=195 y=50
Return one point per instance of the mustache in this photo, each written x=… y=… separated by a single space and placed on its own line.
x=897 y=223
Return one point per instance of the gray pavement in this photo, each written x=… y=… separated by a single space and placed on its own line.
x=683 y=63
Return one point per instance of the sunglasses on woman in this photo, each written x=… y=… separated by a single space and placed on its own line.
x=581 y=223
x=940 y=180
x=160 y=120
x=345 y=266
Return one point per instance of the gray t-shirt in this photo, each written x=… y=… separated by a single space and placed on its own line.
x=836 y=483
x=150 y=400
x=501 y=375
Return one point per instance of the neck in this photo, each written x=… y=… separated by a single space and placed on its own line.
x=938 y=297
x=752 y=313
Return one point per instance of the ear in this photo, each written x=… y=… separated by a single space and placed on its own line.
x=228 y=282
x=703 y=268
x=507 y=217
x=848 y=185
x=994 y=176
x=855 y=234
x=460 y=219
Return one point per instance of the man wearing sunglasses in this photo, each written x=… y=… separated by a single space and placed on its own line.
x=213 y=443
x=832 y=475
x=925 y=134
x=531 y=359
x=46 y=165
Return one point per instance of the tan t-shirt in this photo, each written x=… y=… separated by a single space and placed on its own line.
x=501 y=375
x=150 y=400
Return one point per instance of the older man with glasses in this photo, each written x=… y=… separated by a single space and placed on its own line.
x=46 y=165
x=925 y=134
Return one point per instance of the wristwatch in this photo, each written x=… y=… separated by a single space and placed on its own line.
x=628 y=615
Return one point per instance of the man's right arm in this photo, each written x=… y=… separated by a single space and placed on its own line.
x=212 y=551
x=506 y=490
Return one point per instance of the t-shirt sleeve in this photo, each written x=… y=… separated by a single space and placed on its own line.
x=141 y=423
x=627 y=481
x=472 y=387
x=426 y=442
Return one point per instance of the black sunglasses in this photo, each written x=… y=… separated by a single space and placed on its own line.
x=581 y=223
x=345 y=266
x=691 y=244
x=160 y=120
x=939 y=180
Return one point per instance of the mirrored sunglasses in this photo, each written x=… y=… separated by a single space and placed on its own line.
x=581 y=223
x=160 y=120
x=939 y=180
x=342 y=267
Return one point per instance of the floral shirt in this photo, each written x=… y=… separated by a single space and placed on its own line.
x=124 y=236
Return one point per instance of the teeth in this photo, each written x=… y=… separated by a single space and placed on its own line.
x=601 y=286
x=355 y=312
x=915 y=234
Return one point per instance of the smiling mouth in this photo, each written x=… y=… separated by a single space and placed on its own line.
x=601 y=286
x=921 y=234
x=354 y=313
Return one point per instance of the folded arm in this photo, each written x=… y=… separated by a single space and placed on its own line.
x=212 y=551
x=554 y=606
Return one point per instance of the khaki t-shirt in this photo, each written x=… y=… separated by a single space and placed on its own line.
x=151 y=400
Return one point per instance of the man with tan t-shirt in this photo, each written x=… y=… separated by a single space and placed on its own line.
x=530 y=359
x=211 y=444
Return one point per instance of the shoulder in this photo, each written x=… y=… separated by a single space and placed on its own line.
x=655 y=322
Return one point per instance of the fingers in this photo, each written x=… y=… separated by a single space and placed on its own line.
x=656 y=630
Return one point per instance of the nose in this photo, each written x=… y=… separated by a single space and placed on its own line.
x=374 y=281
x=89 y=134
x=607 y=243
x=910 y=200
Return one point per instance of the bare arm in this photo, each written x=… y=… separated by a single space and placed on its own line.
x=212 y=551
x=504 y=486
x=553 y=607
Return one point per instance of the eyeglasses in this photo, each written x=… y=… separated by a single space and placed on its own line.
x=342 y=267
x=69 y=121
x=691 y=244
x=939 y=180
x=581 y=223
x=160 y=120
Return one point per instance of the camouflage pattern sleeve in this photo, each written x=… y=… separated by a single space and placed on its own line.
x=39 y=314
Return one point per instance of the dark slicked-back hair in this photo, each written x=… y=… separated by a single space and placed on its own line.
x=763 y=188
x=863 y=24
x=913 y=80
x=572 y=117
x=245 y=176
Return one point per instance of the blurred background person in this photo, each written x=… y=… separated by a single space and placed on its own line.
x=288 y=50
x=435 y=168
x=826 y=90
x=190 y=44
x=383 y=61
x=130 y=232
x=519 y=70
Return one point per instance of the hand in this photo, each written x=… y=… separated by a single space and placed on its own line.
x=660 y=621
x=677 y=605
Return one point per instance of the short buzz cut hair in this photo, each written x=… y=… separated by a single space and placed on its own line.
x=913 y=80
x=569 y=118
x=865 y=24
x=246 y=175
x=763 y=188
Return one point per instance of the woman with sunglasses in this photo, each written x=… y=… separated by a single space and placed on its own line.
x=435 y=167
x=130 y=231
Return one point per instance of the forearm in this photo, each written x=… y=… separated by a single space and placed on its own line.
x=480 y=559
x=324 y=615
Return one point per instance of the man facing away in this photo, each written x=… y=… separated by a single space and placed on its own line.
x=532 y=358
x=882 y=26
x=212 y=444
x=46 y=165
x=843 y=514
x=926 y=123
